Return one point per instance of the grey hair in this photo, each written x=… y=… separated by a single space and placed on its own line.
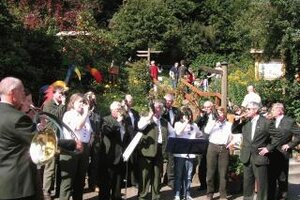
x=158 y=103
x=8 y=84
x=253 y=104
x=278 y=105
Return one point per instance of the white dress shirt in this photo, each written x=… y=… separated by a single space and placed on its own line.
x=251 y=97
x=253 y=125
x=71 y=118
x=190 y=131
x=219 y=132
x=278 y=120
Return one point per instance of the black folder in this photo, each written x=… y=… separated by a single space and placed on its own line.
x=189 y=146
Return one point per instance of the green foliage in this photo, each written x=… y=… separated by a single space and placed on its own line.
x=111 y=93
x=134 y=79
x=196 y=38
x=235 y=166
x=207 y=59
x=201 y=32
x=137 y=83
x=283 y=39
x=143 y=24
x=257 y=15
x=281 y=91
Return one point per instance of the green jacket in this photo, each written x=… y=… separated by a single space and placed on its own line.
x=148 y=144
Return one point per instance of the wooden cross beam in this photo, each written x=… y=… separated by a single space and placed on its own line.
x=224 y=83
x=147 y=54
x=211 y=70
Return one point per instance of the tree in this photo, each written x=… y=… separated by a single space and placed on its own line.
x=140 y=24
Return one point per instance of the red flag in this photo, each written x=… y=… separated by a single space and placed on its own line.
x=96 y=74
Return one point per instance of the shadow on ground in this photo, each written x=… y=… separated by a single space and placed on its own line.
x=168 y=194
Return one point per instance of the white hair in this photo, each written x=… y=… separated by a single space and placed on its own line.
x=169 y=97
x=115 y=105
x=128 y=97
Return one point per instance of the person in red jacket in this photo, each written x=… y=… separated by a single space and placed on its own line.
x=153 y=71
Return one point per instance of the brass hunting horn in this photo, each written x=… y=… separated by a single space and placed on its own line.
x=44 y=144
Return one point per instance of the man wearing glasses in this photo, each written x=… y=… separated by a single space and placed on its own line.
x=55 y=105
x=259 y=138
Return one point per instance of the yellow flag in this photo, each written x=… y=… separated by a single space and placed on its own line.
x=78 y=73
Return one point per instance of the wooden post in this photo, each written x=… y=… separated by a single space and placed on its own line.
x=224 y=86
x=143 y=53
x=148 y=55
x=258 y=57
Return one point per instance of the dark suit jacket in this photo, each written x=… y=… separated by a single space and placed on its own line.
x=132 y=128
x=287 y=129
x=112 y=143
x=265 y=136
x=177 y=115
x=17 y=172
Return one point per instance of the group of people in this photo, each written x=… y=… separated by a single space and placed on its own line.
x=179 y=71
x=94 y=145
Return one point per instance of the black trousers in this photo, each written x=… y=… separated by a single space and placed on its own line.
x=202 y=170
x=278 y=175
x=111 y=181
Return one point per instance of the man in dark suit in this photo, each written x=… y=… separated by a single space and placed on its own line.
x=203 y=119
x=259 y=138
x=172 y=115
x=131 y=120
x=279 y=158
x=96 y=123
x=115 y=140
x=17 y=172
x=151 y=148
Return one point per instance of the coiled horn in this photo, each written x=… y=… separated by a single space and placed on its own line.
x=43 y=146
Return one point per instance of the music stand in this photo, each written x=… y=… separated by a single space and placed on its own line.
x=127 y=153
x=188 y=146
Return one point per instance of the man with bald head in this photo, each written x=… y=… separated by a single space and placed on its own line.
x=17 y=172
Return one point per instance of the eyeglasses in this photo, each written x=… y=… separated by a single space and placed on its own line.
x=251 y=108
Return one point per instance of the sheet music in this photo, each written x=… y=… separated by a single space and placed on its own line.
x=132 y=145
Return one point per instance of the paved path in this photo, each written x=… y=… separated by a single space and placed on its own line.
x=167 y=194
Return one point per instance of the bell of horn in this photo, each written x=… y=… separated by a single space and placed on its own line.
x=43 y=146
